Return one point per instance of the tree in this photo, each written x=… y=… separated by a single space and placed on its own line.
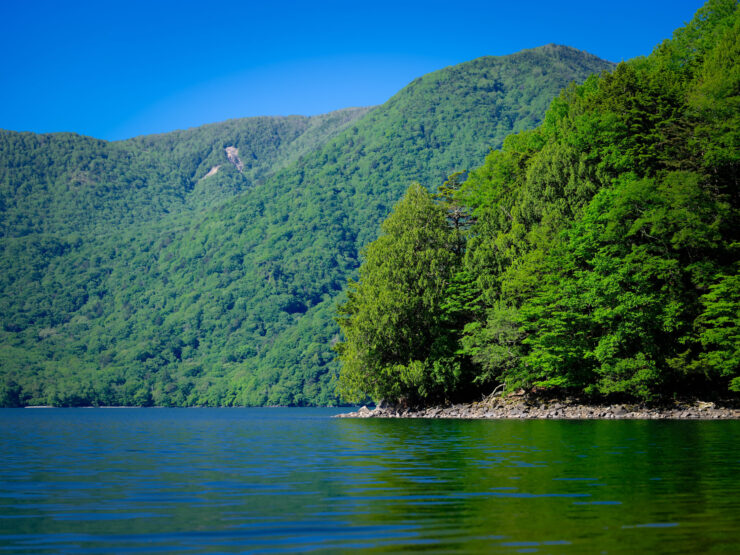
x=719 y=331
x=395 y=342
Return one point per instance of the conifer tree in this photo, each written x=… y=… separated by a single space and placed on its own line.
x=395 y=346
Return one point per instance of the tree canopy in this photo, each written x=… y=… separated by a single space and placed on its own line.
x=602 y=255
x=395 y=343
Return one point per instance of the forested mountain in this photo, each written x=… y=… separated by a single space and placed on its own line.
x=595 y=255
x=62 y=183
x=136 y=273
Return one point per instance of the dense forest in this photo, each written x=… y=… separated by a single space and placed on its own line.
x=61 y=183
x=595 y=255
x=203 y=267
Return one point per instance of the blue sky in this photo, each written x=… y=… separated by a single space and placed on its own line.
x=115 y=69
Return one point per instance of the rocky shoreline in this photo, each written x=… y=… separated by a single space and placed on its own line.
x=522 y=407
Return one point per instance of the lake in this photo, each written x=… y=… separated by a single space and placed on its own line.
x=288 y=480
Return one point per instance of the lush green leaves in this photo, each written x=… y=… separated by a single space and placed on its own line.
x=393 y=323
x=602 y=255
x=600 y=233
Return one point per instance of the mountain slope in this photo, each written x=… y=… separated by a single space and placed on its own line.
x=61 y=183
x=234 y=304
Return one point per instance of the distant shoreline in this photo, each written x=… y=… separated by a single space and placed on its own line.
x=517 y=408
x=523 y=408
x=182 y=407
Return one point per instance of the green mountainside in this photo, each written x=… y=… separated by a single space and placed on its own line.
x=63 y=183
x=596 y=255
x=129 y=277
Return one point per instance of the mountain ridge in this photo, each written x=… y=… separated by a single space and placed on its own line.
x=232 y=304
x=156 y=166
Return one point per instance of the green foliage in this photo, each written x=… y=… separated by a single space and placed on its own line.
x=601 y=232
x=718 y=328
x=393 y=323
x=62 y=183
x=618 y=299
x=131 y=274
x=601 y=256
x=494 y=345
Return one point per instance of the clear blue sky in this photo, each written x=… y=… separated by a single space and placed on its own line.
x=115 y=69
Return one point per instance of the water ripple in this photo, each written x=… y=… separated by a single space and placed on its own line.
x=294 y=480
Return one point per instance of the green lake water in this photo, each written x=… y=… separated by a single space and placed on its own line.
x=296 y=480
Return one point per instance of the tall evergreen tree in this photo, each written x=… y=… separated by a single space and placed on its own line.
x=396 y=345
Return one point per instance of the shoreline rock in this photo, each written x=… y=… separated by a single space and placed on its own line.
x=516 y=407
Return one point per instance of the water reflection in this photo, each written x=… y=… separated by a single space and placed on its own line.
x=288 y=480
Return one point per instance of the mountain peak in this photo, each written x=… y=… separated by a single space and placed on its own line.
x=123 y=267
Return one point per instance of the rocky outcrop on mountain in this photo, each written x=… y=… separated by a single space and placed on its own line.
x=232 y=153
